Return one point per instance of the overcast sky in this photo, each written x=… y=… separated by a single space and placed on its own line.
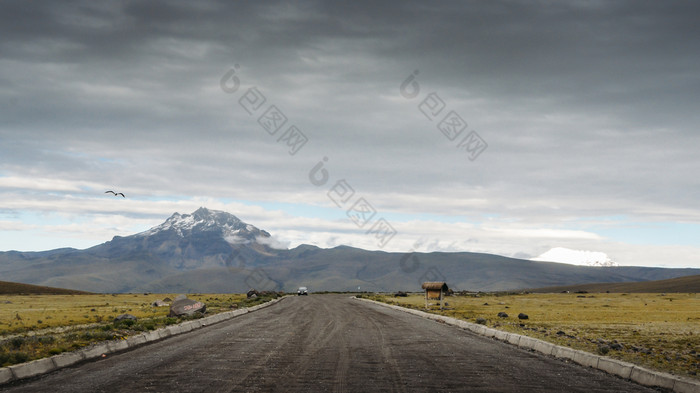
x=498 y=126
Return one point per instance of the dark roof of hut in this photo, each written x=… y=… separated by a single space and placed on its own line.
x=435 y=285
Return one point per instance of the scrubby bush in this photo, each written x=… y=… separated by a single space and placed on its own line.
x=10 y=358
x=17 y=342
x=46 y=339
x=97 y=335
x=57 y=350
x=20 y=357
x=144 y=325
x=124 y=323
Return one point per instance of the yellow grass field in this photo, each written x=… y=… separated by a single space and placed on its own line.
x=31 y=312
x=657 y=331
x=35 y=326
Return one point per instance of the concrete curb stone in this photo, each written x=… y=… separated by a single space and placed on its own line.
x=164 y=333
x=586 y=359
x=464 y=325
x=186 y=327
x=174 y=330
x=684 y=386
x=622 y=369
x=135 y=341
x=47 y=365
x=479 y=329
x=544 y=347
x=5 y=375
x=66 y=359
x=501 y=335
x=514 y=339
x=189 y=326
x=617 y=367
x=33 y=368
x=650 y=378
x=96 y=351
x=563 y=352
x=527 y=342
x=152 y=336
x=117 y=345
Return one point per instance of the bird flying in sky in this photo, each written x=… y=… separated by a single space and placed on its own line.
x=115 y=193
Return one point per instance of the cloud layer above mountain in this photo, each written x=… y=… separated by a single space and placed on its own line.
x=500 y=126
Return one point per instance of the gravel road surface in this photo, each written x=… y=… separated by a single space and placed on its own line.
x=327 y=343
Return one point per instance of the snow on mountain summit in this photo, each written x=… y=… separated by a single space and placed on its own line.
x=576 y=257
x=230 y=227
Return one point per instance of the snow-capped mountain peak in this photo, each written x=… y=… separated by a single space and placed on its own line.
x=230 y=227
x=576 y=257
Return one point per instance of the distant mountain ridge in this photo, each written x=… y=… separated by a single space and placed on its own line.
x=14 y=288
x=685 y=284
x=214 y=251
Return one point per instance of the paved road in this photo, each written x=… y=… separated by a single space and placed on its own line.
x=327 y=343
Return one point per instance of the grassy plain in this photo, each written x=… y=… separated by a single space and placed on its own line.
x=658 y=331
x=36 y=326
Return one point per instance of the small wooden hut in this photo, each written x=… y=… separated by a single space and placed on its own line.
x=435 y=290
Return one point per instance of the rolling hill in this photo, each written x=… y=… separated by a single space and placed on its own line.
x=16 y=288
x=687 y=284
